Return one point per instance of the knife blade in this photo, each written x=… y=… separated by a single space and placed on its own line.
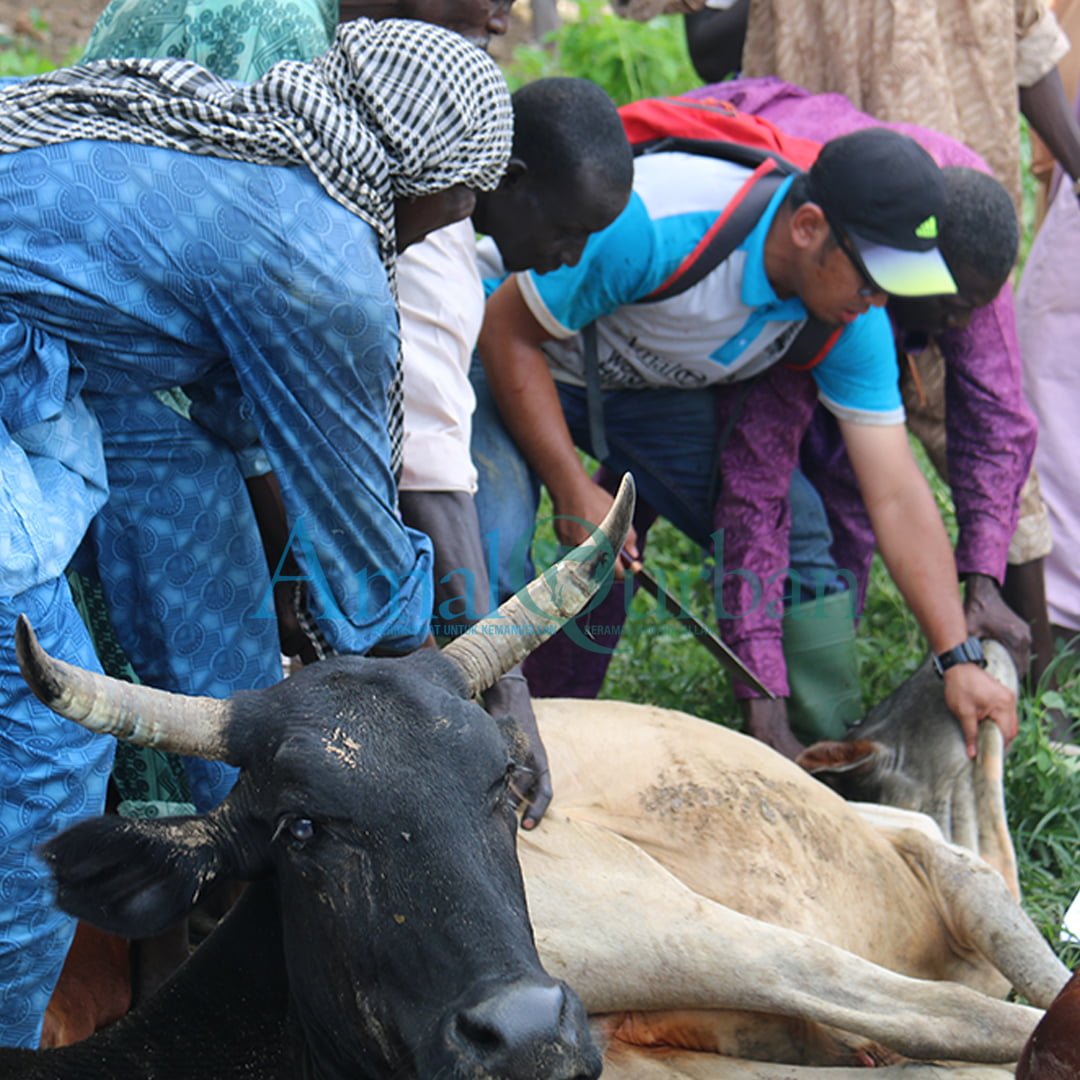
x=708 y=637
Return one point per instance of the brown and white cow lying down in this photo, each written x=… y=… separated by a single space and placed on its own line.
x=712 y=902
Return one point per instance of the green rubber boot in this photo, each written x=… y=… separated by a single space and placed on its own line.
x=819 y=647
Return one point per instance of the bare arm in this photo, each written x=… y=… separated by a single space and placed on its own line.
x=525 y=393
x=916 y=550
x=265 y=494
x=1048 y=112
x=909 y=530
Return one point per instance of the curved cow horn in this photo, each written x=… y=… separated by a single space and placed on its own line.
x=533 y=614
x=137 y=714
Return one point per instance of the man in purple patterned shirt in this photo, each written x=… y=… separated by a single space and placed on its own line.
x=990 y=430
x=990 y=427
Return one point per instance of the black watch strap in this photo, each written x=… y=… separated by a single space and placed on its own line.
x=971 y=652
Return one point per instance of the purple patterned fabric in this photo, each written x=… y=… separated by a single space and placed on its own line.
x=752 y=512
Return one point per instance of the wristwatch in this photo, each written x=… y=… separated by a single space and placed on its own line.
x=971 y=652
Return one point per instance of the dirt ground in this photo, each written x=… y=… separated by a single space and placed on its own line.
x=69 y=23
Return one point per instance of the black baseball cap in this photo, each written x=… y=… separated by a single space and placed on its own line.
x=885 y=193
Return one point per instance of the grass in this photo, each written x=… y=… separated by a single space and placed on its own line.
x=1043 y=799
x=629 y=60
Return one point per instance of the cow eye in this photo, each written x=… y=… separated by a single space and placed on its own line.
x=296 y=830
x=301 y=829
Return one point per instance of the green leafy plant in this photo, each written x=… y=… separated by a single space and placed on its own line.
x=1043 y=799
x=21 y=52
x=629 y=60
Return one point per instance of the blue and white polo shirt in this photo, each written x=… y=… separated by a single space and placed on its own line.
x=730 y=326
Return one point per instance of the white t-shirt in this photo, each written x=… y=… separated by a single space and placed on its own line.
x=442 y=307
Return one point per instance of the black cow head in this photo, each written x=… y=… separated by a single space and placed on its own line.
x=377 y=794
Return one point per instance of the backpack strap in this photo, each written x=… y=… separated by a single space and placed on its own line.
x=594 y=397
x=725 y=234
x=815 y=339
x=809 y=347
x=738 y=153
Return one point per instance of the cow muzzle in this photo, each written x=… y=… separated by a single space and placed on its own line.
x=527 y=1031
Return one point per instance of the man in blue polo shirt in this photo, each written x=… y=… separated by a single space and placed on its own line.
x=832 y=244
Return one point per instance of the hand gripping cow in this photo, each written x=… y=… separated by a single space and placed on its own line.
x=720 y=913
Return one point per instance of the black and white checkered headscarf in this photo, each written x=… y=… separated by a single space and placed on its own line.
x=394 y=108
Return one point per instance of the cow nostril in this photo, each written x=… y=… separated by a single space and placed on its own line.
x=477 y=1032
x=523 y=1031
x=512 y=1021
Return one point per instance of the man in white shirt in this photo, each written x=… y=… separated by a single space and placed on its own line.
x=569 y=176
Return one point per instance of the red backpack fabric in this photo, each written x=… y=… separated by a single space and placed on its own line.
x=712 y=120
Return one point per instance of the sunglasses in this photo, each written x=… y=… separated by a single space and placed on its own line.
x=868 y=288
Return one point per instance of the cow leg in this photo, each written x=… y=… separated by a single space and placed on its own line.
x=736 y=1033
x=982 y=916
x=627 y=935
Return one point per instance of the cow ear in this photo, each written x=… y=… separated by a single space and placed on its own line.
x=832 y=756
x=132 y=877
x=833 y=763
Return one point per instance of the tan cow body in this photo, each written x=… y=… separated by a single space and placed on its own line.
x=713 y=902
